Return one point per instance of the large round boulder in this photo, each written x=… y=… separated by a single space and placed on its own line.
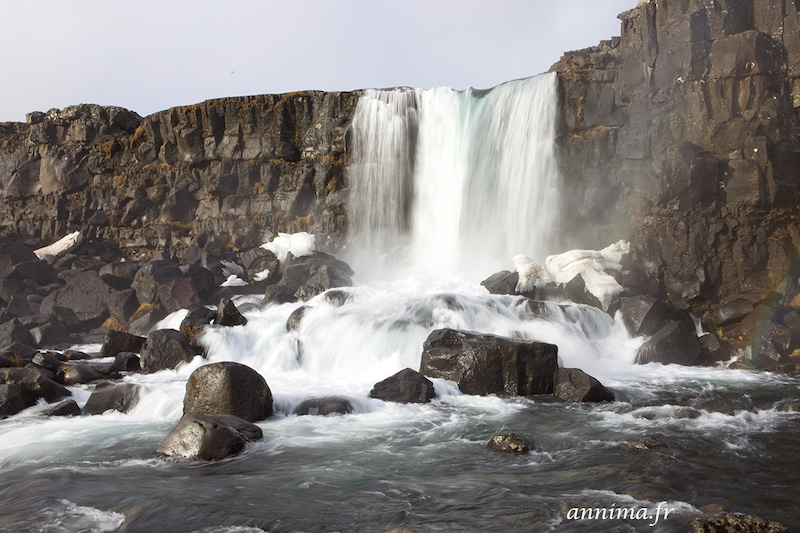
x=228 y=388
x=208 y=438
x=165 y=349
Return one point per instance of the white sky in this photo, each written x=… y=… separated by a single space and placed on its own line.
x=149 y=55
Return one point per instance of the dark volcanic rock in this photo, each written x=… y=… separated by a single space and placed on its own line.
x=65 y=408
x=504 y=282
x=12 y=255
x=79 y=373
x=13 y=331
x=576 y=291
x=48 y=361
x=108 y=396
x=643 y=315
x=327 y=405
x=209 y=437
x=178 y=294
x=575 y=385
x=407 y=386
x=715 y=349
x=228 y=389
x=86 y=294
x=673 y=343
x=195 y=321
x=736 y=523
x=11 y=400
x=126 y=362
x=151 y=277
x=32 y=384
x=165 y=349
x=279 y=294
x=293 y=322
x=509 y=443
x=50 y=335
x=228 y=314
x=485 y=364
x=121 y=341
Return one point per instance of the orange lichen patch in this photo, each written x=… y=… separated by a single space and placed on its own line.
x=144 y=308
x=302 y=223
x=113 y=322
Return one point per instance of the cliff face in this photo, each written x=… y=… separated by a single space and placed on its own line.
x=684 y=132
x=232 y=170
x=682 y=135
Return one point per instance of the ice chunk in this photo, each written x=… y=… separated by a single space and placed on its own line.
x=60 y=247
x=299 y=244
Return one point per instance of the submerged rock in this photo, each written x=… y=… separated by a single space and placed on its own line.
x=575 y=385
x=736 y=523
x=509 y=443
x=485 y=364
x=208 y=437
x=65 y=408
x=327 y=405
x=406 y=386
x=293 y=322
x=108 y=396
x=228 y=388
x=165 y=349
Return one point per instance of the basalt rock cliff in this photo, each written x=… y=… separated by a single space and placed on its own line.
x=682 y=135
x=232 y=170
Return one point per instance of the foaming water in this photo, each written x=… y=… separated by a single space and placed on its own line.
x=455 y=182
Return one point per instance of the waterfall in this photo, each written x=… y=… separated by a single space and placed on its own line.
x=456 y=181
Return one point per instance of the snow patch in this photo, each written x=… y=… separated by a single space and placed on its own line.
x=299 y=244
x=592 y=265
x=60 y=247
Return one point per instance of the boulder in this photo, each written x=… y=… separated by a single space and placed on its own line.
x=18 y=353
x=736 y=523
x=116 y=342
x=485 y=364
x=279 y=294
x=65 y=408
x=262 y=263
x=50 y=335
x=165 y=349
x=643 y=315
x=406 y=386
x=86 y=294
x=32 y=384
x=228 y=388
x=732 y=309
x=108 y=396
x=327 y=405
x=673 y=343
x=228 y=314
x=198 y=318
x=11 y=400
x=178 y=294
x=48 y=361
x=151 y=276
x=504 y=282
x=208 y=437
x=13 y=331
x=715 y=349
x=79 y=374
x=126 y=362
x=508 y=443
x=575 y=385
x=123 y=304
x=575 y=290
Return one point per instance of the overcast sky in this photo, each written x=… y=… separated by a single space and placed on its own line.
x=149 y=55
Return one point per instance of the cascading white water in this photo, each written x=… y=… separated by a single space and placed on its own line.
x=480 y=167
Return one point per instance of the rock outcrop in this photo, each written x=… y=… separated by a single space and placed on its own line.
x=682 y=134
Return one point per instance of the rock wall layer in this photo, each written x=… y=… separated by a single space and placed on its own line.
x=234 y=170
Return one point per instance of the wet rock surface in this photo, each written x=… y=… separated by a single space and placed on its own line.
x=228 y=389
x=484 y=364
x=208 y=437
x=406 y=386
